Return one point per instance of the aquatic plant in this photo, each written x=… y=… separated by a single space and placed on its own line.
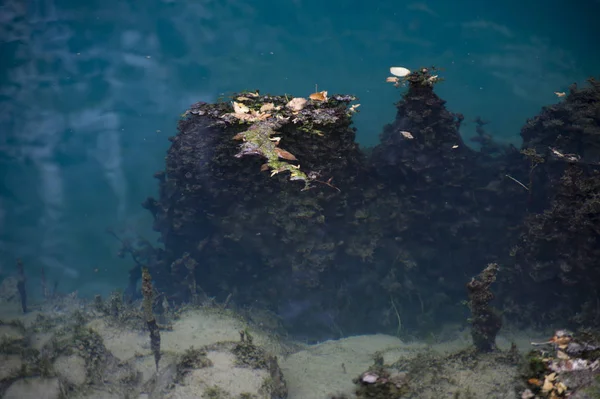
x=485 y=321
x=148 y=301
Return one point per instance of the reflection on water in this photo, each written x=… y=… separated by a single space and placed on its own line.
x=89 y=94
x=90 y=91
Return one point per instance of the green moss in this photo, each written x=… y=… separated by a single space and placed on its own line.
x=249 y=355
x=533 y=366
x=91 y=348
x=258 y=141
x=192 y=359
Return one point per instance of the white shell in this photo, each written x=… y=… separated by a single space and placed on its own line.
x=370 y=378
x=399 y=71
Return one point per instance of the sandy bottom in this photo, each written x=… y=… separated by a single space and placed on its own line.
x=315 y=371
x=310 y=371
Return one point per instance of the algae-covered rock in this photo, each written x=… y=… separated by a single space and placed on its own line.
x=260 y=194
x=39 y=388
x=268 y=200
x=228 y=370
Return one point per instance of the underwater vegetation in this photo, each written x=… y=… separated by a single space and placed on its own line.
x=567 y=365
x=268 y=200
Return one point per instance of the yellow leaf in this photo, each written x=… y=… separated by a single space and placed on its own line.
x=240 y=108
x=561 y=388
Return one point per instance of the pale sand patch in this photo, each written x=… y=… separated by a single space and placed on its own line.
x=122 y=343
x=329 y=367
x=314 y=372
x=222 y=375
x=199 y=328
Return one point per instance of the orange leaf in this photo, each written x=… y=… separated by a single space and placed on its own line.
x=534 y=381
x=319 y=96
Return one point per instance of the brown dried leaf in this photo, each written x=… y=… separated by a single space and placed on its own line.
x=319 y=96
x=264 y=167
x=239 y=136
x=296 y=104
x=244 y=117
x=240 y=98
x=281 y=153
x=267 y=107
x=260 y=116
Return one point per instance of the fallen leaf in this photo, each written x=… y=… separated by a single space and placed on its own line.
x=407 y=135
x=240 y=108
x=534 y=381
x=353 y=108
x=399 y=71
x=264 y=167
x=243 y=98
x=392 y=79
x=244 y=117
x=319 y=96
x=560 y=93
x=432 y=79
x=275 y=171
x=296 y=104
x=455 y=146
x=251 y=94
x=285 y=154
x=547 y=387
x=267 y=107
x=260 y=116
x=239 y=136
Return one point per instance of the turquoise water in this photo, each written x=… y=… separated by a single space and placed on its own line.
x=91 y=90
